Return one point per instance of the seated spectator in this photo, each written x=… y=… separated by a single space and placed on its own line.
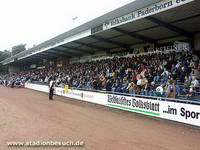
x=196 y=73
x=115 y=86
x=108 y=85
x=114 y=74
x=187 y=84
x=152 y=88
x=160 y=90
x=193 y=86
x=124 y=86
x=95 y=84
x=170 y=89
x=132 y=88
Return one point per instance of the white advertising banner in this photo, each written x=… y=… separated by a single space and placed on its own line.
x=175 y=111
x=147 y=11
x=37 y=87
x=93 y=97
x=180 y=112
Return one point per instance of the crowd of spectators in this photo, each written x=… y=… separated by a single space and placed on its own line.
x=171 y=75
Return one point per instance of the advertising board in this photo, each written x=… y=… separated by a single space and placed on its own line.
x=175 y=111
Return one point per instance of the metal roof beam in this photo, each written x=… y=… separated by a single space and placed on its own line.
x=71 y=51
x=36 y=56
x=47 y=56
x=135 y=35
x=78 y=50
x=170 y=27
x=92 y=46
x=110 y=41
x=27 y=60
x=31 y=60
x=57 y=53
x=187 y=18
x=64 y=52
x=176 y=21
x=156 y=26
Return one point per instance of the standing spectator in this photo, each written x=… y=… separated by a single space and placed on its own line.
x=165 y=75
x=51 y=89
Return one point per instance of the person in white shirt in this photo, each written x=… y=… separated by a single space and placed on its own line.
x=159 y=91
x=195 y=82
x=194 y=85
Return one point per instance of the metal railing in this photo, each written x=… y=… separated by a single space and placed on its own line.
x=188 y=101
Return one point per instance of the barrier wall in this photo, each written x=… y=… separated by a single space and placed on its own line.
x=175 y=111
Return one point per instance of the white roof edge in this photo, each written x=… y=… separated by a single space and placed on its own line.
x=135 y=5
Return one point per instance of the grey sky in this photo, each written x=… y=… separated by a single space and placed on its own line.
x=34 y=21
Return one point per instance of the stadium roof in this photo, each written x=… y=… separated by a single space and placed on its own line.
x=138 y=22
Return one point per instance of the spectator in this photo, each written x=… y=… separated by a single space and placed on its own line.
x=144 y=72
x=131 y=88
x=170 y=89
x=160 y=90
x=193 y=86
x=186 y=88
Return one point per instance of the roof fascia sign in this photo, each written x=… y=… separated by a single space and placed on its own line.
x=144 y=12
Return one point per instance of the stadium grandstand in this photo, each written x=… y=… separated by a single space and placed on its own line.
x=149 y=48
